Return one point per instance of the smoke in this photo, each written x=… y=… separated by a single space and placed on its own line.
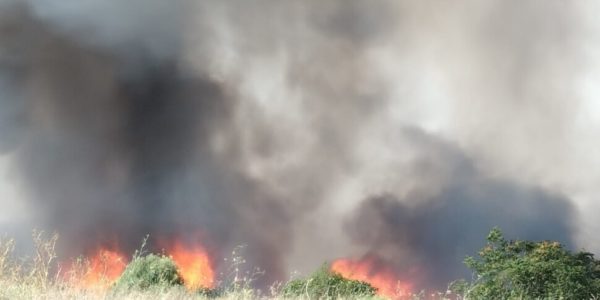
x=429 y=230
x=115 y=144
x=308 y=131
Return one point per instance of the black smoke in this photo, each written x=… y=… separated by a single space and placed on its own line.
x=116 y=144
x=435 y=231
x=308 y=131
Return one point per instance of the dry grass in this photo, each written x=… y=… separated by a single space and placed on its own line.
x=41 y=277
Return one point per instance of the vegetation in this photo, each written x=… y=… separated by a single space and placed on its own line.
x=150 y=271
x=503 y=269
x=323 y=284
x=530 y=270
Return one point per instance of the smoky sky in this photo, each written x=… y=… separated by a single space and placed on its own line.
x=306 y=131
x=431 y=230
x=120 y=147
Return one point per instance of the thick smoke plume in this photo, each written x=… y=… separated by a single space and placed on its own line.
x=431 y=229
x=307 y=131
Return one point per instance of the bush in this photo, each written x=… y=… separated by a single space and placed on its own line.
x=531 y=270
x=326 y=284
x=148 y=272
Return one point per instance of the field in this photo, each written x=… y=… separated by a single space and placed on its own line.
x=503 y=269
x=41 y=276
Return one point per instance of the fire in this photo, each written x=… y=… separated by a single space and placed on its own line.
x=102 y=269
x=194 y=265
x=380 y=277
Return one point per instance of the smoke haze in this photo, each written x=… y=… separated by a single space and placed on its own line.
x=307 y=131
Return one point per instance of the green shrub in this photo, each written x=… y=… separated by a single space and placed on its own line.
x=326 y=284
x=531 y=270
x=149 y=272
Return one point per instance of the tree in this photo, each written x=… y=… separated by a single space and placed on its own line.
x=531 y=270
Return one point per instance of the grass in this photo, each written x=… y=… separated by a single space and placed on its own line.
x=41 y=277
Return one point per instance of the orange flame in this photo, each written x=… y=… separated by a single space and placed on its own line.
x=383 y=279
x=194 y=266
x=103 y=269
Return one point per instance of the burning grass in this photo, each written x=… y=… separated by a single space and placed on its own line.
x=366 y=270
x=194 y=266
x=105 y=274
x=99 y=270
x=185 y=274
